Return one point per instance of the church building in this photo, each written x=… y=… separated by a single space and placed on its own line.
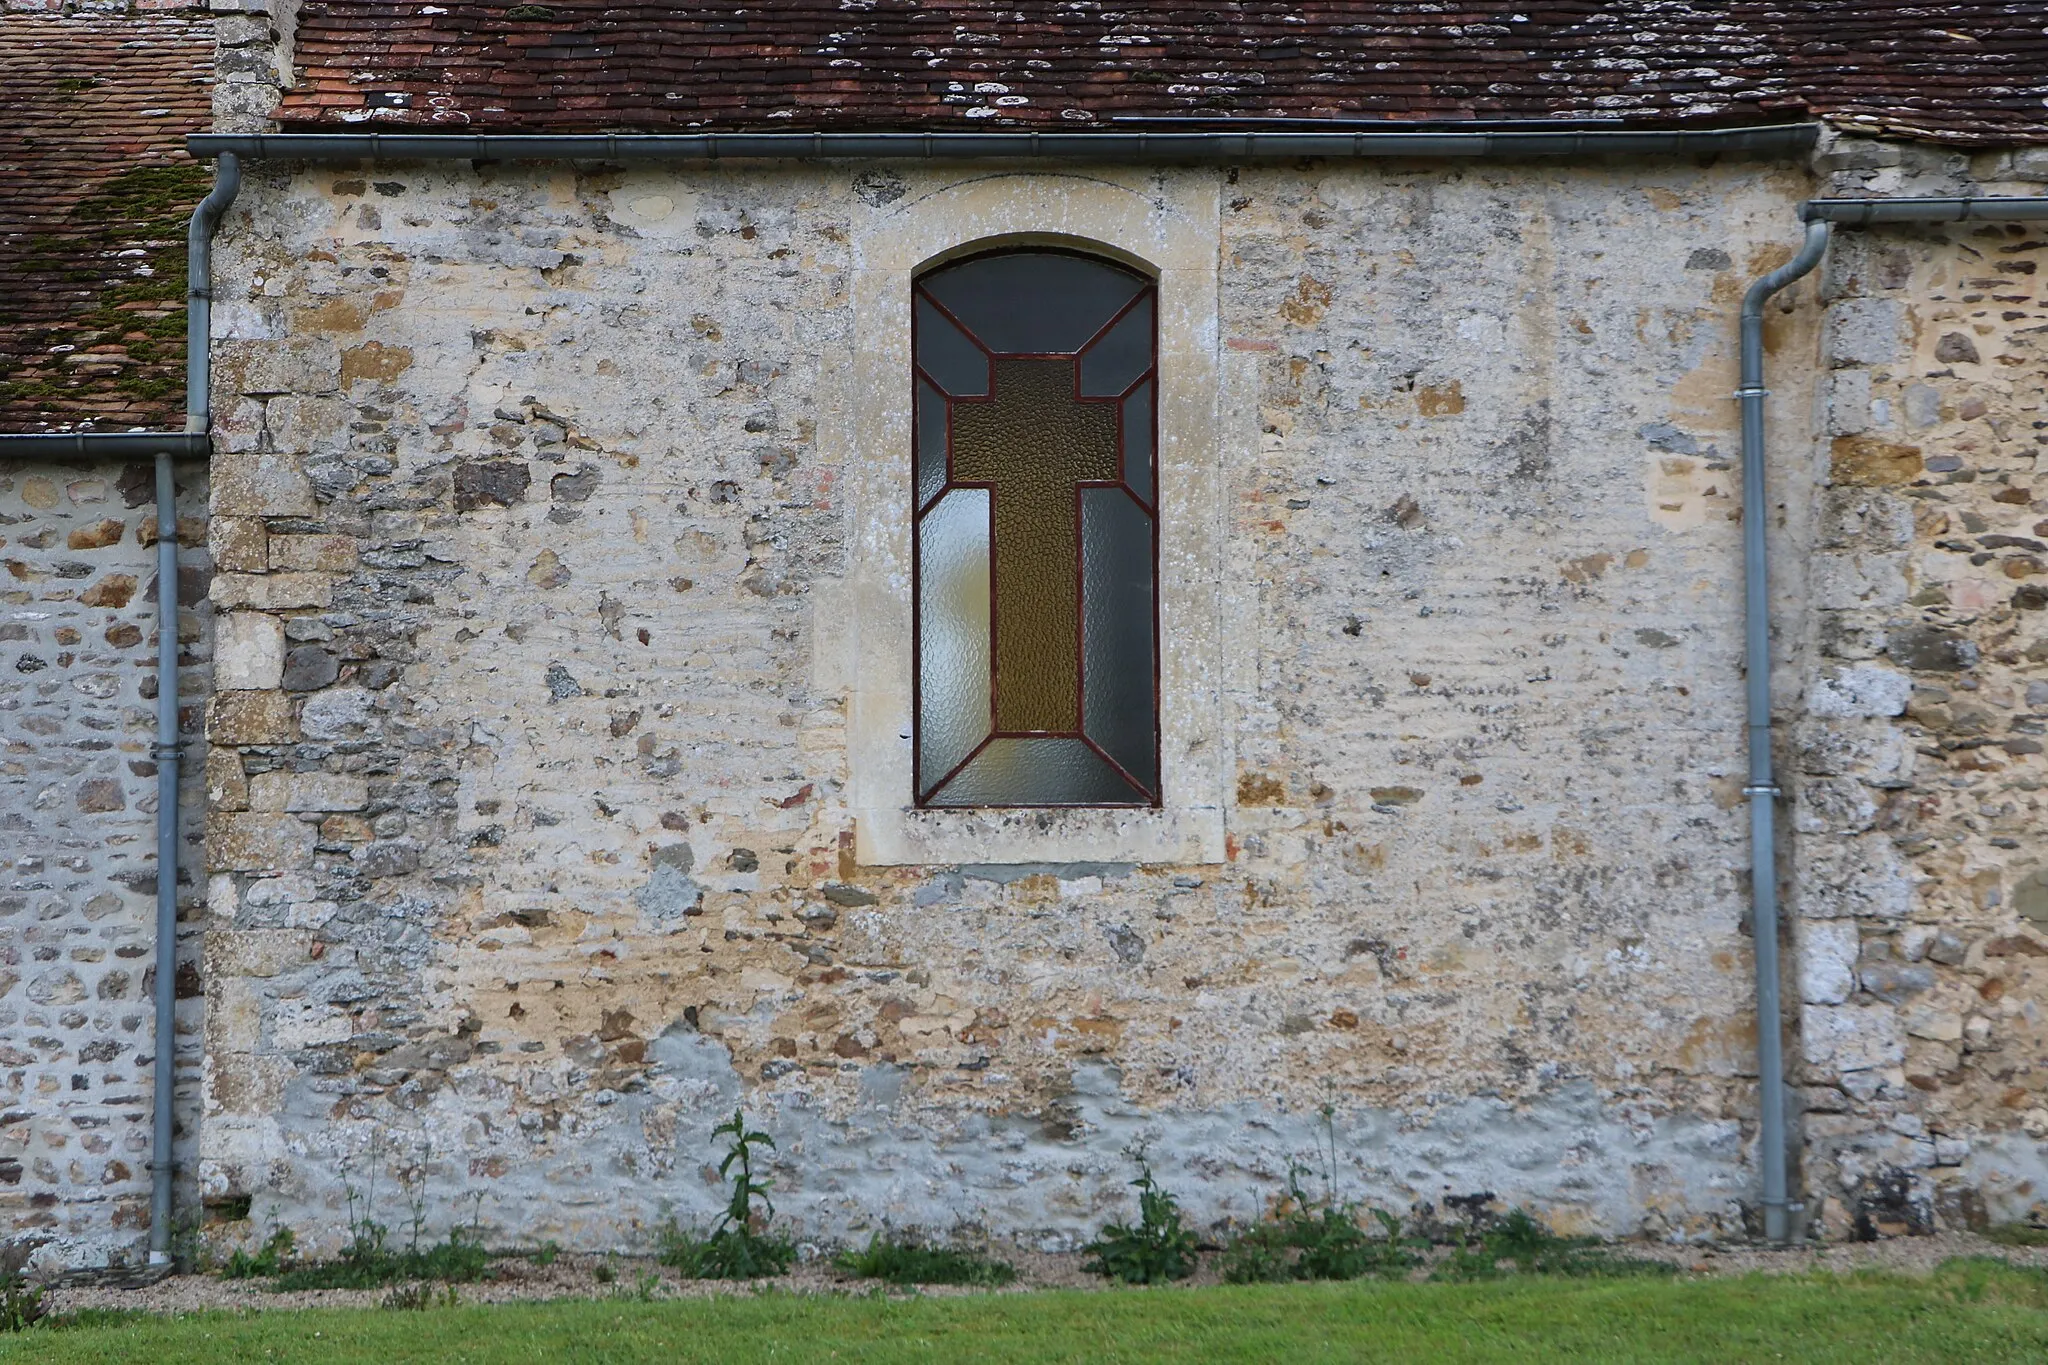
x=996 y=587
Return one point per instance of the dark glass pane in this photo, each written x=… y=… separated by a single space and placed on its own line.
x=1117 y=631
x=1038 y=772
x=1033 y=302
x=952 y=632
x=1124 y=353
x=1036 y=443
x=931 y=443
x=944 y=352
x=1139 y=418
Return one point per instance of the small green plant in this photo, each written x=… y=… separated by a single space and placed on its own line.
x=1523 y=1244
x=1334 y=1246
x=605 y=1274
x=419 y=1297
x=646 y=1288
x=1160 y=1248
x=274 y=1257
x=2017 y=1235
x=901 y=1261
x=367 y=1263
x=1317 y=1240
x=1261 y=1254
x=192 y=1251
x=546 y=1252
x=739 y=1247
x=21 y=1304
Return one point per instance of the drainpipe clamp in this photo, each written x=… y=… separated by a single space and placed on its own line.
x=1770 y=791
x=1756 y=391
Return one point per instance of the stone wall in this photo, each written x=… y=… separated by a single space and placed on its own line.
x=253 y=64
x=78 y=802
x=530 y=846
x=1923 y=879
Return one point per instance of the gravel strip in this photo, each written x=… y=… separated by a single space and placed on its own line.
x=578 y=1277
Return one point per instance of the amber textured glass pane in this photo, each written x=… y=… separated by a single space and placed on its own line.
x=1035 y=443
x=952 y=629
x=1117 y=631
x=1113 y=363
x=1033 y=302
x=956 y=364
x=1139 y=421
x=931 y=443
x=1037 y=772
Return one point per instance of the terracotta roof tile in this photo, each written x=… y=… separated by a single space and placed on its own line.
x=1955 y=72
x=95 y=190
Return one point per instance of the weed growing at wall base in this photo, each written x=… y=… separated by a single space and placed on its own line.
x=1158 y=1249
x=1520 y=1244
x=2017 y=1234
x=274 y=1257
x=21 y=1304
x=900 y=1261
x=417 y=1298
x=366 y=1263
x=1318 y=1241
x=736 y=1248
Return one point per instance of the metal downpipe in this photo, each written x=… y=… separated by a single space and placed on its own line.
x=227 y=182
x=161 y=1164
x=1762 y=787
x=198 y=411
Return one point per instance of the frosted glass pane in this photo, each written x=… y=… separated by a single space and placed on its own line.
x=1033 y=302
x=1125 y=352
x=944 y=352
x=931 y=443
x=1139 y=418
x=952 y=622
x=1038 y=772
x=1036 y=443
x=1118 y=705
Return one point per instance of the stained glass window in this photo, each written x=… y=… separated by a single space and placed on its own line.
x=1036 y=533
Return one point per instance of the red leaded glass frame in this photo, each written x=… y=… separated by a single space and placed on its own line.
x=1034 y=485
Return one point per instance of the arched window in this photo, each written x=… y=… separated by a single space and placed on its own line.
x=1035 y=537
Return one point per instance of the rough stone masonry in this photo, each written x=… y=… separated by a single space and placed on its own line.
x=529 y=847
x=1920 y=874
x=78 y=851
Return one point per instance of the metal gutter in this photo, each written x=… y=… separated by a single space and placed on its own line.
x=1867 y=212
x=1820 y=217
x=103 y=445
x=1782 y=139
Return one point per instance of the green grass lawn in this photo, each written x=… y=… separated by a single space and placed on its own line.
x=1969 y=1311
